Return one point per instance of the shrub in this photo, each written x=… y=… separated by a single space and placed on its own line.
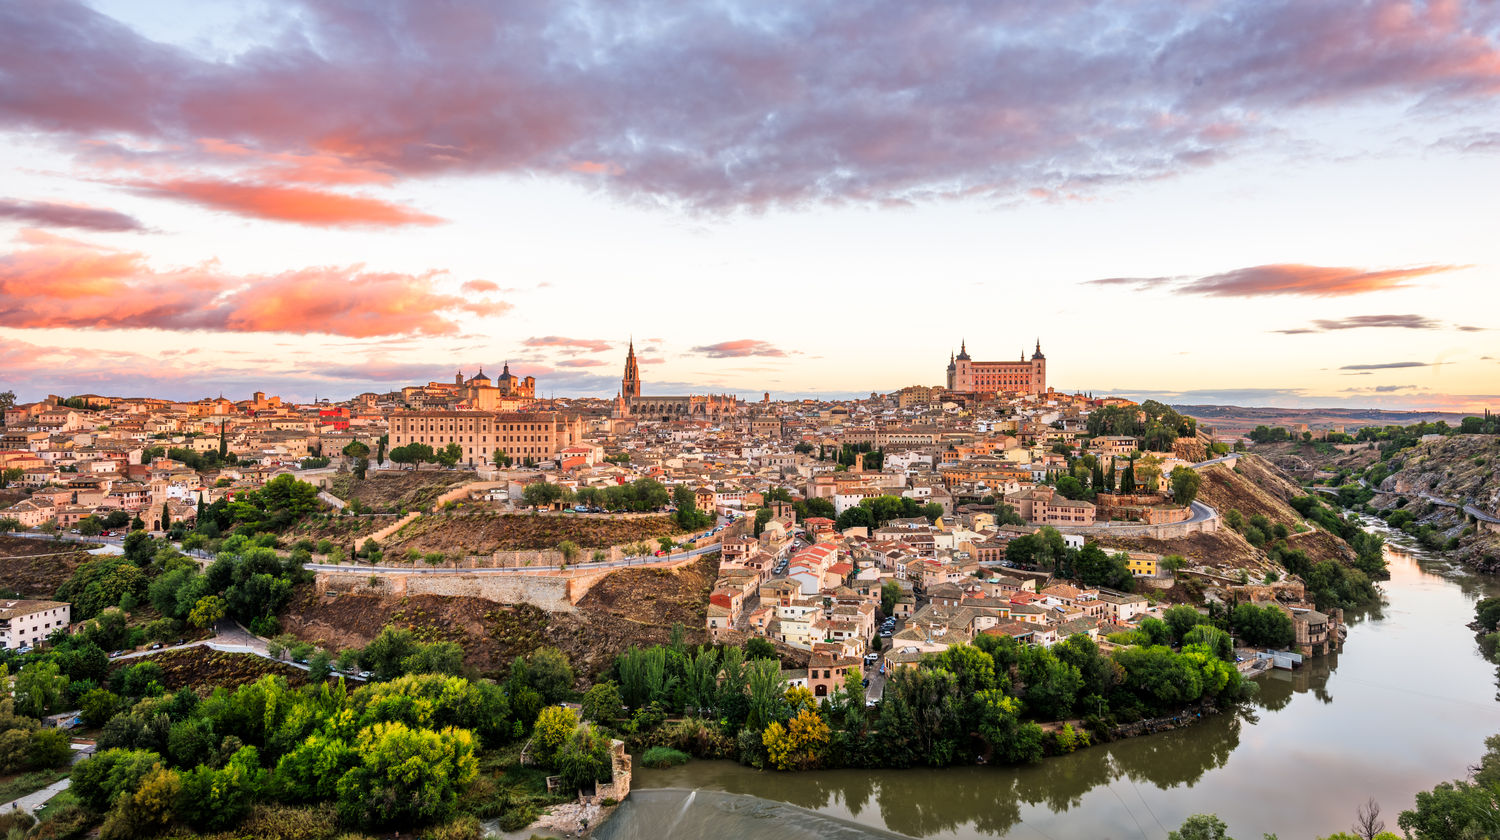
x=659 y=757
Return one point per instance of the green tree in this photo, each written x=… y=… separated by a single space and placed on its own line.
x=207 y=611
x=541 y=494
x=890 y=593
x=688 y=516
x=1185 y=484
x=584 y=758
x=602 y=703
x=450 y=455
x=90 y=526
x=98 y=706
x=554 y=725
x=569 y=551
x=548 y=671
x=500 y=458
x=406 y=775
x=38 y=688
x=1201 y=827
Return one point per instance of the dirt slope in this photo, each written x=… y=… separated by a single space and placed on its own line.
x=630 y=606
x=24 y=572
x=388 y=491
x=204 y=669
x=483 y=532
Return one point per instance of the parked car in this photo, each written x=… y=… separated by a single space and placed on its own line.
x=156 y=646
x=364 y=675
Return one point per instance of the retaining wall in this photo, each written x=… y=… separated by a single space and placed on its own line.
x=1162 y=531
x=552 y=590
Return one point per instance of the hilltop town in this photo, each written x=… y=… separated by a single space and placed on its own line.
x=858 y=535
x=833 y=550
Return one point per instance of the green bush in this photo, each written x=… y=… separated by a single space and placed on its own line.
x=659 y=757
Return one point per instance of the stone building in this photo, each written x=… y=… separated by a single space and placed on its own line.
x=538 y=435
x=630 y=402
x=1028 y=377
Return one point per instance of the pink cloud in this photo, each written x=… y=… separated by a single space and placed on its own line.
x=318 y=208
x=480 y=287
x=50 y=214
x=581 y=363
x=61 y=283
x=590 y=345
x=739 y=349
x=1290 y=279
x=712 y=108
x=1306 y=280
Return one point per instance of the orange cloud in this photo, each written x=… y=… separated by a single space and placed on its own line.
x=480 y=286
x=1284 y=279
x=302 y=205
x=1307 y=280
x=61 y=283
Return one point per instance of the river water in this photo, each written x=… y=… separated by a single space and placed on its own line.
x=1406 y=705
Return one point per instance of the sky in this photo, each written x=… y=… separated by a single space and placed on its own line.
x=1254 y=203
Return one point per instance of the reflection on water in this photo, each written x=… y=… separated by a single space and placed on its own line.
x=1406 y=705
x=655 y=814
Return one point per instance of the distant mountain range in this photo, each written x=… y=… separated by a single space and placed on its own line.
x=1235 y=418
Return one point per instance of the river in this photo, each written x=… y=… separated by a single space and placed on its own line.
x=1406 y=705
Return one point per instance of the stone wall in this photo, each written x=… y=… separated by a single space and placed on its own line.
x=1163 y=531
x=552 y=591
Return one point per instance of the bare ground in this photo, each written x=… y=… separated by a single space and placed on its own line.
x=23 y=571
x=204 y=669
x=391 y=490
x=485 y=532
x=630 y=606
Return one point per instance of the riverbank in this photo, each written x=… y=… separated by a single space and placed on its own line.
x=1401 y=705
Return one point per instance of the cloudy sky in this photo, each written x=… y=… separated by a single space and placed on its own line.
x=1260 y=202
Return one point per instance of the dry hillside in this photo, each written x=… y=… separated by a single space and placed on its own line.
x=203 y=669
x=484 y=531
x=393 y=490
x=1255 y=486
x=631 y=606
x=1461 y=468
x=36 y=568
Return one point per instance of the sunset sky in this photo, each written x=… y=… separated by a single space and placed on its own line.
x=1260 y=203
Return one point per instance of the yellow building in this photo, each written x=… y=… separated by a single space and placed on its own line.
x=1143 y=564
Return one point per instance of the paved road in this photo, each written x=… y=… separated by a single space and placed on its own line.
x=32 y=802
x=508 y=570
x=1233 y=456
x=1469 y=509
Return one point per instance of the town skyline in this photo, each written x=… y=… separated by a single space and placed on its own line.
x=1191 y=216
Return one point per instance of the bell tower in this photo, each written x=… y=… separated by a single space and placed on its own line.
x=630 y=385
